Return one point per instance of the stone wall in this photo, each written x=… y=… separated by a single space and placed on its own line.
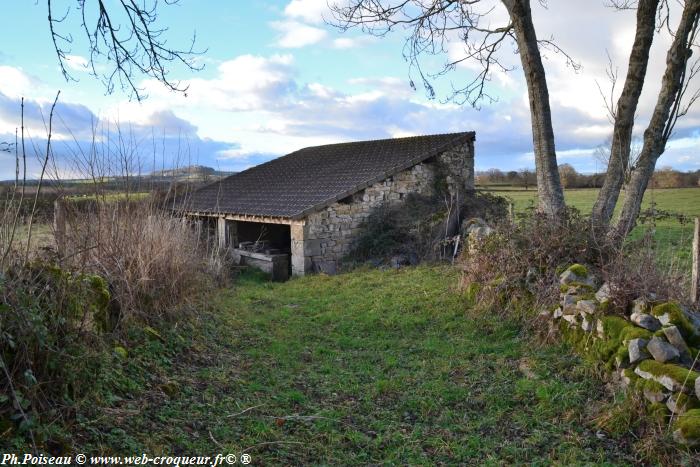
x=653 y=346
x=326 y=236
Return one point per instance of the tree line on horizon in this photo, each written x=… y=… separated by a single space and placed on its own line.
x=664 y=177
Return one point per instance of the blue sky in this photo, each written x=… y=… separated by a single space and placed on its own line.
x=277 y=78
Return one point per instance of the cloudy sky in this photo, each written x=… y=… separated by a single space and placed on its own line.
x=277 y=78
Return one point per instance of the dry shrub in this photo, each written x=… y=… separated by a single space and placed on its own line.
x=635 y=271
x=152 y=261
x=520 y=261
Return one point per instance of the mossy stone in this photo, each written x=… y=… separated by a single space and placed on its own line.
x=121 y=352
x=579 y=269
x=613 y=326
x=677 y=318
x=688 y=425
x=673 y=377
x=633 y=332
x=680 y=403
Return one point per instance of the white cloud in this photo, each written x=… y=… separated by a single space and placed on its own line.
x=295 y=35
x=344 y=43
x=311 y=11
x=76 y=63
x=353 y=42
x=16 y=83
x=245 y=83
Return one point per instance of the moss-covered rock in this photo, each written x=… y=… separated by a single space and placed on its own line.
x=612 y=326
x=687 y=428
x=121 y=352
x=579 y=269
x=679 y=403
x=673 y=377
x=652 y=390
x=671 y=313
x=576 y=274
x=633 y=332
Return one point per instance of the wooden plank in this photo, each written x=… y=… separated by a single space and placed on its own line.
x=695 y=282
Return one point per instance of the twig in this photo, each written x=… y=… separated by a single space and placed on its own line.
x=24 y=187
x=41 y=178
x=244 y=411
x=214 y=440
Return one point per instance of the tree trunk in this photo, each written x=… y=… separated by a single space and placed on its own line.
x=657 y=133
x=624 y=118
x=549 y=190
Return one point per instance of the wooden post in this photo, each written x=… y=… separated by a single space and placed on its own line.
x=695 y=282
x=59 y=226
x=221 y=232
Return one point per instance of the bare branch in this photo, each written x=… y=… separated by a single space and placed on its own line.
x=126 y=35
x=434 y=27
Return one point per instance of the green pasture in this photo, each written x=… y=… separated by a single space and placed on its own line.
x=672 y=236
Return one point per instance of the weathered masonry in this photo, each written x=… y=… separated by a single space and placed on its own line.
x=310 y=204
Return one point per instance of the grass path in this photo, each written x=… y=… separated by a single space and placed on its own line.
x=369 y=367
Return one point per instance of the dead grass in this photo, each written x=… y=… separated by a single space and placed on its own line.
x=152 y=260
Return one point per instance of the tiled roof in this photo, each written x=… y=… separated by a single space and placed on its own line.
x=312 y=178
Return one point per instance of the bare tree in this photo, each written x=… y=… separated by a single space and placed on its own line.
x=672 y=103
x=622 y=114
x=527 y=178
x=433 y=24
x=602 y=155
x=127 y=36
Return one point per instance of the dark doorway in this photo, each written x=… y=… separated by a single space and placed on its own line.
x=269 y=237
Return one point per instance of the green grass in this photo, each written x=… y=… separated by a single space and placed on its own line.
x=673 y=239
x=110 y=197
x=368 y=367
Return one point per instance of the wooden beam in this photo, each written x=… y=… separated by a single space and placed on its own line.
x=242 y=217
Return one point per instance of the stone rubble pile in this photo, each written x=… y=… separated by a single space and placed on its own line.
x=653 y=346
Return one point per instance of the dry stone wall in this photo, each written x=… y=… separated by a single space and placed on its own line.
x=653 y=346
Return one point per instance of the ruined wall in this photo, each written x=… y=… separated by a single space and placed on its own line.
x=327 y=235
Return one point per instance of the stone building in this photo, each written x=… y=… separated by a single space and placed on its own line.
x=308 y=206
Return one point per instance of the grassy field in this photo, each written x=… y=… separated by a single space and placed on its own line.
x=368 y=367
x=674 y=239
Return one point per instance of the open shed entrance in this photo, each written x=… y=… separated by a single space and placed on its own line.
x=264 y=238
x=266 y=246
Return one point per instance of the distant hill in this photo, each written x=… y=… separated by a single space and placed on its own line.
x=198 y=172
x=190 y=173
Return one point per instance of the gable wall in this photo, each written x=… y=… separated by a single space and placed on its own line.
x=328 y=234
